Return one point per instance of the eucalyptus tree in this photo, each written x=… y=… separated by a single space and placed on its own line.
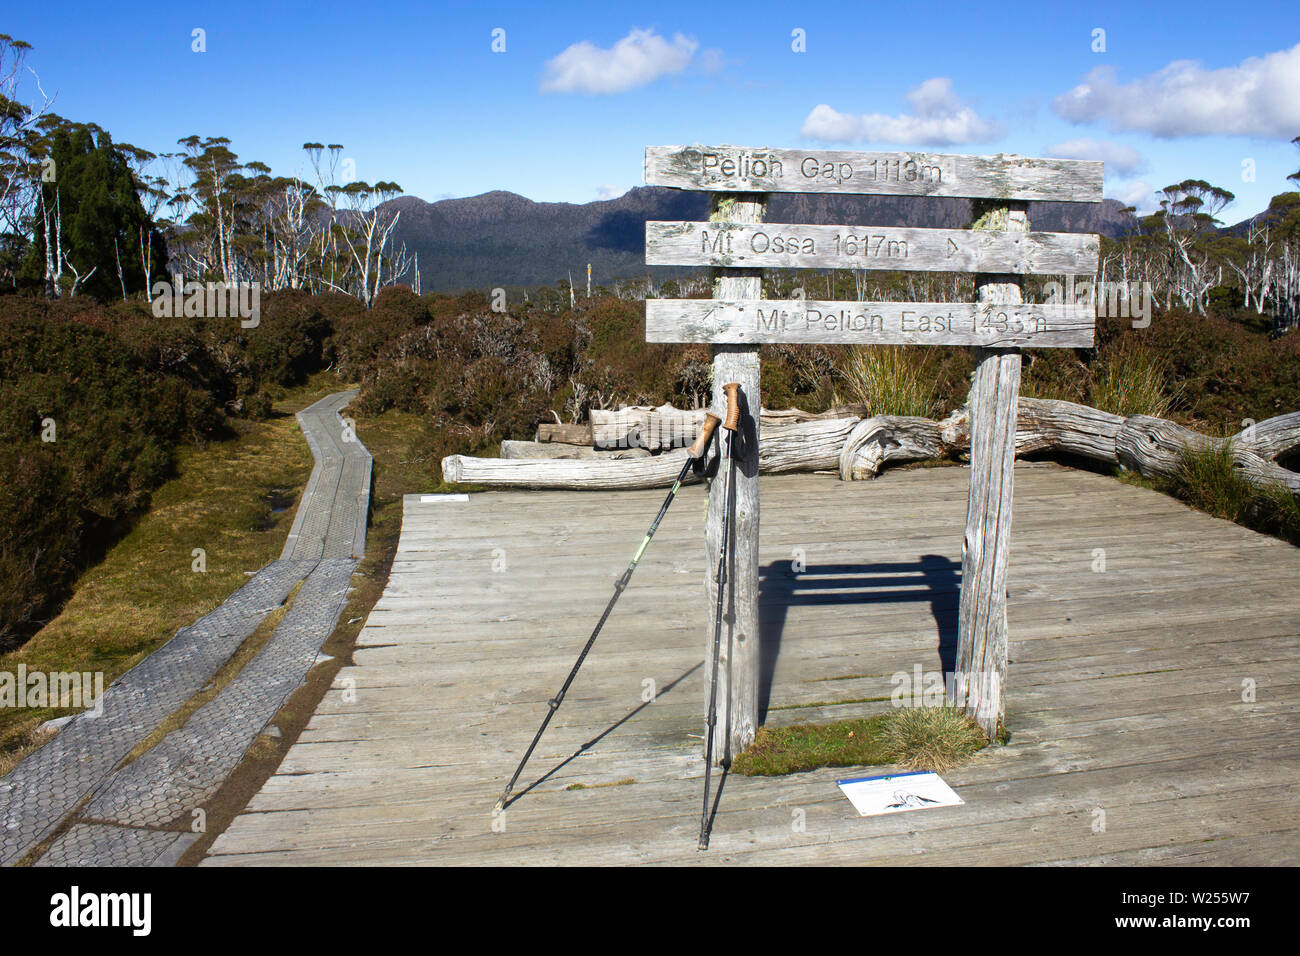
x=367 y=230
x=292 y=215
x=355 y=245
x=326 y=162
x=21 y=153
x=211 y=225
x=1188 y=214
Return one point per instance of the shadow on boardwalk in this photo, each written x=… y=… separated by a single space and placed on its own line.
x=781 y=587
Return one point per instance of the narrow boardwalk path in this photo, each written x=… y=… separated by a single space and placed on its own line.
x=140 y=813
x=1135 y=738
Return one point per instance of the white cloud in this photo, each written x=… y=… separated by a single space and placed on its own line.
x=1118 y=158
x=938 y=118
x=609 y=191
x=1139 y=194
x=639 y=58
x=1258 y=97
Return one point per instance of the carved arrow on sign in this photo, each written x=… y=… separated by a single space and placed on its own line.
x=952 y=247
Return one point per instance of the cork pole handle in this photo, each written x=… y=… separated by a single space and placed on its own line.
x=711 y=422
x=732 y=421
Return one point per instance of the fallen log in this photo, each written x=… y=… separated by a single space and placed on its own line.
x=858 y=448
x=656 y=429
x=792 y=416
x=1045 y=424
x=809 y=446
x=554 y=449
x=640 y=426
x=600 y=474
x=1153 y=447
x=566 y=434
x=1273 y=436
x=804 y=446
x=884 y=438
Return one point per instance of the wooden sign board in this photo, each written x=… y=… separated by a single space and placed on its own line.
x=795 y=246
x=763 y=321
x=740 y=169
x=739 y=245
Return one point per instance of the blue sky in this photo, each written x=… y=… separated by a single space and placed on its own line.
x=416 y=95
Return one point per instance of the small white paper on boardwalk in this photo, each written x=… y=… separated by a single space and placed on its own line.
x=872 y=796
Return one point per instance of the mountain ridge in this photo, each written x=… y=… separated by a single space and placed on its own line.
x=500 y=238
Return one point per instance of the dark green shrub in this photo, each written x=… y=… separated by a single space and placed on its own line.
x=114 y=426
x=122 y=389
x=288 y=344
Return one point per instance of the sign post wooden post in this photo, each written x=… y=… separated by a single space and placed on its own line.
x=1000 y=249
x=995 y=389
x=738 y=662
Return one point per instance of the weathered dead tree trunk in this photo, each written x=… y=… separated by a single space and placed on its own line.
x=566 y=434
x=655 y=429
x=859 y=448
x=549 y=449
x=643 y=427
x=1153 y=446
x=810 y=446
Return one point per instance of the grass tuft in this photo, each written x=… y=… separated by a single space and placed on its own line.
x=1208 y=480
x=919 y=738
x=931 y=738
x=890 y=380
x=1133 y=380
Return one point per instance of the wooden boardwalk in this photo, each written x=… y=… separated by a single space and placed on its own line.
x=1125 y=688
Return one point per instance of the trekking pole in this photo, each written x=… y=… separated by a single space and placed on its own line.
x=693 y=454
x=730 y=425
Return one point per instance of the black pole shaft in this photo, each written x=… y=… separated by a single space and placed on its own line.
x=722 y=578
x=554 y=703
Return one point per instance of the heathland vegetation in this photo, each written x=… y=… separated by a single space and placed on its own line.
x=99 y=398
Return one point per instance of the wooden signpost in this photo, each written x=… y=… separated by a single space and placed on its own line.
x=999 y=248
x=782 y=246
x=760 y=321
x=737 y=169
